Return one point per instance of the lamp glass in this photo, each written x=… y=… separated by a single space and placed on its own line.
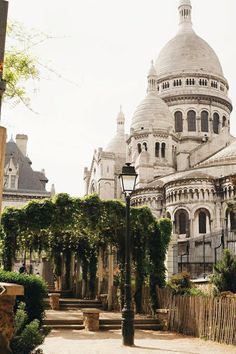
x=128 y=183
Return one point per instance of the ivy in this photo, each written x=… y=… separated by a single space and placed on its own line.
x=64 y=226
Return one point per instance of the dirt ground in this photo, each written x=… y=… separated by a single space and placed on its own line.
x=146 y=342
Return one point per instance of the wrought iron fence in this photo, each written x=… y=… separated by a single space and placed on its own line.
x=197 y=255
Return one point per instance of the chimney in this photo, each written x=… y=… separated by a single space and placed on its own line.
x=21 y=142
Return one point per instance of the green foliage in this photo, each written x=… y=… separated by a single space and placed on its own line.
x=63 y=226
x=35 y=291
x=180 y=283
x=224 y=277
x=158 y=243
x=27 y=335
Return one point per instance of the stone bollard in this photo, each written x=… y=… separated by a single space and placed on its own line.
x=91 y=319
x=162 y=315
x=8 y=294
x=54 y=300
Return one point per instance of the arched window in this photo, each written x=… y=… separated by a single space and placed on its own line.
x=224 y=120
x=163 y=150
x=232 y=221
x=204 y=122
x=216 y=121
x=157 y=149
x=178 y=122
x=182 y=223
x=191 y=118
x=202 y=222
x=139 y=148
x=145 y=146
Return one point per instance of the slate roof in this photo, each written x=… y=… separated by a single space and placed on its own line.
x=28 y=178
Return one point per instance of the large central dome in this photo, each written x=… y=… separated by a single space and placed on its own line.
x=187 y=52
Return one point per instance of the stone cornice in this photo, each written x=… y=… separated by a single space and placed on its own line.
x=198 y=98
x=192 y=75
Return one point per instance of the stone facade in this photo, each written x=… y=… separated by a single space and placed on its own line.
x=179 y=141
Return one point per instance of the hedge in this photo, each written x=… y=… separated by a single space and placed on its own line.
x=35 y=292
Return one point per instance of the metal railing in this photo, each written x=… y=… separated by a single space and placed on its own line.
x=197 y=255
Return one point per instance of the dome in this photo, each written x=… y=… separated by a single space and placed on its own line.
x=188 y=53
x=117 y=145
x=152 y=112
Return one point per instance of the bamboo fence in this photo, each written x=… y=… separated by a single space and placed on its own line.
x=212 y=318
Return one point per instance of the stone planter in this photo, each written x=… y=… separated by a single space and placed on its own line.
x=54 y=301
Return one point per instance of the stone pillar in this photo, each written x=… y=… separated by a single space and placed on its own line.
x=100 y=272
x=3 y=134
x=91 y=319
x=77 y=278
x=110 y=278
x=8 y=294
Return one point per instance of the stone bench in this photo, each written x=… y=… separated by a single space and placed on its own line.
x=91 y=319
x=54 y=301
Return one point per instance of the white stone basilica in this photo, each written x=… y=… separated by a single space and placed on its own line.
x=179 y=141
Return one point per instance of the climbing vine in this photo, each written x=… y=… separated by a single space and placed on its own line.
x=64 y=226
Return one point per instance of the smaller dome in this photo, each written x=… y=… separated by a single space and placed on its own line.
x=152 y=112
x=117 y=145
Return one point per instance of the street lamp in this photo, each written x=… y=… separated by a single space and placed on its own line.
x=127 y=179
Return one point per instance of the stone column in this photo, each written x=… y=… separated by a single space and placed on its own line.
x=110 y=278
x=8 y=294
x=100 y=272
x=77 y=278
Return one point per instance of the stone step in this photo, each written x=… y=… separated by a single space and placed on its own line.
x=104 y=324
x=65 y=326
x=153 y=327
x=55 y=322
x=78 y=306
x=138 y=321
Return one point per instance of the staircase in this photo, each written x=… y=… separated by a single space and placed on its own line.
x=104 y=324
x=70 y=317
x=149 y=323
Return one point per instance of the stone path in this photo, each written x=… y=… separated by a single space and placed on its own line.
x=146 y=342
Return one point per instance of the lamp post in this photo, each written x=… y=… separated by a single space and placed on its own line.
x=127 y=179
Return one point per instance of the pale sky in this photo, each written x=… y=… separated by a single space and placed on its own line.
x=104 y=47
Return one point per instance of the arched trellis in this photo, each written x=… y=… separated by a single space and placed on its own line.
x=65 y=226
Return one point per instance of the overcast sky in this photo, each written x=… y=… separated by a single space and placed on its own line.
x=104 y=47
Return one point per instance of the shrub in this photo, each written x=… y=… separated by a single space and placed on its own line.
x=180 y=283
x=27 y=336
x=35 y=291
x=224 y=277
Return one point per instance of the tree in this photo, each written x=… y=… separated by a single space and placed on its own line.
x=224 y=277
x=21 y=66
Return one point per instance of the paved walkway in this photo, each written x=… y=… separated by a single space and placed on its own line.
x=146 y=342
